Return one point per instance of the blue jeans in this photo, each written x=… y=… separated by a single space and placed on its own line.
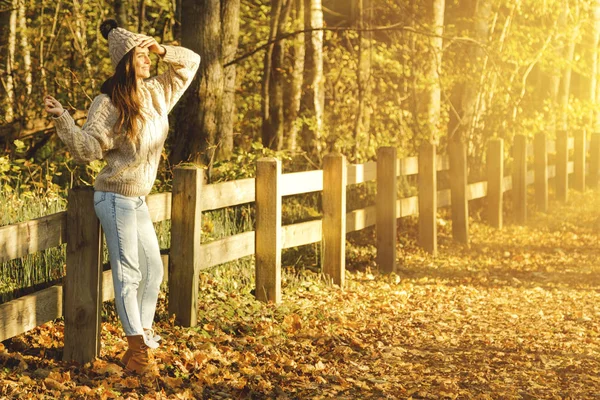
x=137 y=268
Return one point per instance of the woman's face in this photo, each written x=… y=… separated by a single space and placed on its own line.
x=141 y=61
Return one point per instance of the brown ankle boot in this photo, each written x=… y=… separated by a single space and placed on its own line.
x=137 y=357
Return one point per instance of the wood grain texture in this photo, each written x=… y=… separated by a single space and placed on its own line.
x=185 y=254
x=387 y=183
x=19 y=240
x=495 y=179
x=428 y=198
x=83 y=280
x=268 y=230
x=334 y=217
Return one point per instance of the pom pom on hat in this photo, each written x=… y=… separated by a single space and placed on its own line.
x=120 y=41
x=108 y=26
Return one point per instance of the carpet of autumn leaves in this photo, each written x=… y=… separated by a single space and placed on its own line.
x=513 y=316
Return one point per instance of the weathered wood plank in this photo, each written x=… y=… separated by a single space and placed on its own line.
x=495 y=181
x=428 y=197
x=562 y=165
x=519 y=173
x=19 y=240
x=185 y=256
x=477 y=190
x=302 y=233
x=594 y=174
x=387 y=195
x=228 y=194
x=457 y=152
x=83 y=280
x=360 y=173
x=357 y=220
x=268 y=230
x=579 y=160
x=227 y=249
x=334 y=217
x=407 y=206
x=301 y=182
x=540 y=156
x=410 y=165
x=159 y=206
x=27 y=312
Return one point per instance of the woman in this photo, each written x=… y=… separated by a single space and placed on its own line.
x=127 y=126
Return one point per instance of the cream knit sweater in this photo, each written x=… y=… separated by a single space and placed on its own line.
x=131 y=165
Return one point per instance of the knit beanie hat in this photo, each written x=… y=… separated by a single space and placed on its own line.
x=120 y=41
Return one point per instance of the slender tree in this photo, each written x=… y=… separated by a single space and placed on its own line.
x=10 y=63
x=313 y=98
x=292 y=91
x=25 y=50
x=120 y=8
x=363 y=12
x=432 y=95
x=230 y=11
x=274 y=76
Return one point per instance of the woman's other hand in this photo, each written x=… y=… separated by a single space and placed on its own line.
x=152 y=45
x=53 y=106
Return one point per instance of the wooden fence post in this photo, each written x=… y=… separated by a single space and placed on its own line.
x=495 y=187
x=268 y=230
x=579 y=156
x=83 y=280
x=594 y=160
x=457 y=152
x=562 y=164
x=387 y=195
x=519 y=179
x=428 y=198
x=540 y=156
x=334 y=217
x=184 y=258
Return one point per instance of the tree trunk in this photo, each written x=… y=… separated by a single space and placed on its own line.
x=25 y=47
x=9 y=113
x=141 y=15
x=554 y=81
x=432 y=96
x=177 y=24
x=230 y=11
x=197 y=122
x=594 y=70
x=363 y=74
x=313 y=99
x=464 y=109
x=81 y=39
x=293 y=84
x=120 y=9
x=269 y=128
x=273 y=79
x=565 y=82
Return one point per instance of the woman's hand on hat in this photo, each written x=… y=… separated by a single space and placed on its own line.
x=53 y=106
x=152 y=45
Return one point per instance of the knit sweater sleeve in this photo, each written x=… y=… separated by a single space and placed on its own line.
x=182 y=67
x=91 y=141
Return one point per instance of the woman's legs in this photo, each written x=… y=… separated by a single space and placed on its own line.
x=151 y=266
x=118 y=217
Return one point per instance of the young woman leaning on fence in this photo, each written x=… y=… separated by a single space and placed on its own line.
x=127 y=126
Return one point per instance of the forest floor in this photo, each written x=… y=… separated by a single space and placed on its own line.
x=515 y=315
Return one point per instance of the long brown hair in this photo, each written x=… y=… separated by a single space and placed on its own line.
x=122 y=90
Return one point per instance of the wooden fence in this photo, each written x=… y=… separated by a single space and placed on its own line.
x=86 y=285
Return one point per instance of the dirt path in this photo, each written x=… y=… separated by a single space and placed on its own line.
x=515 y=315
